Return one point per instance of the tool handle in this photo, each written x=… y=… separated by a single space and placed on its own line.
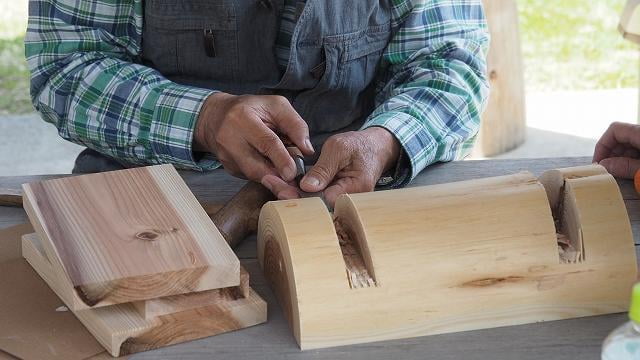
x=238 y=218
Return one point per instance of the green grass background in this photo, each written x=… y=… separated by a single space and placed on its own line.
x=566 y=45
x=14 y=76
x=575 y=45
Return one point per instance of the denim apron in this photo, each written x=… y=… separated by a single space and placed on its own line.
x=229 y=45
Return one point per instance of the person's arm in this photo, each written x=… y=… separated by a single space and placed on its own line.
x=85 y=81
x=429 y=102
x=435 y=86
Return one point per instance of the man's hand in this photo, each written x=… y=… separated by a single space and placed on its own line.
x=350 y=162
x=618 y=150
x=242 y=131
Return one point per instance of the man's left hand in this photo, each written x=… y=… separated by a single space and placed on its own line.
x=350 y=162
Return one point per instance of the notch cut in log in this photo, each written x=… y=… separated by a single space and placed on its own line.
x=559 y=184
x=358 y=274
x=451 y=257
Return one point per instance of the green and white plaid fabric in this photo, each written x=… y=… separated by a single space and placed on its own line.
x=86 y=80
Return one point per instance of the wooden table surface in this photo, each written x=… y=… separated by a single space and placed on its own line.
x=566 y=339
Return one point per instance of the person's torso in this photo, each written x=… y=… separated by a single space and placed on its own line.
x=230 y=45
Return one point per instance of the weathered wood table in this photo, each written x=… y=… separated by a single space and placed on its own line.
x=567 y=339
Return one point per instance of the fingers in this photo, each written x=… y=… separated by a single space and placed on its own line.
x=331 y=194
x=267 y=143
x=621 y=167
x=252 y=164
x=347 y=185
x=631 y=153
x=281 y=189
x=288 y=122
x=242 y=131
x=332 y=159
x=616 y=134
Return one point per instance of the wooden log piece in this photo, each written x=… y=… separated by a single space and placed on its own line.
x=445 y=258
x=129 y=235
x=122 y=330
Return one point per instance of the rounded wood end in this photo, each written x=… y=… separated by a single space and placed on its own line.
x=273 y=257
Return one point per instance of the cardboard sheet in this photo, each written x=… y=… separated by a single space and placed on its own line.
x=10 y=243
x=33 y=320
x=7 y=356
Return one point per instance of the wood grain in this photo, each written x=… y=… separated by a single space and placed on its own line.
x=152 y=308
x=448 y=257
x=559 y=340
x=122 y=330
x=129 y=235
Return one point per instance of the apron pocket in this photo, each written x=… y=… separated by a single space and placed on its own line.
x=345 y=87
x=191 y=39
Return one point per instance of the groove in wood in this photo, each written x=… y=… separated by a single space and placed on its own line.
x=357 y=272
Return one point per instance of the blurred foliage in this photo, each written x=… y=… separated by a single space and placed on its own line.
x=14 y=76
x=575 y=45
x=566 y=45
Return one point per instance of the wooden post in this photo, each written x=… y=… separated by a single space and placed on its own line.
x=503 y=121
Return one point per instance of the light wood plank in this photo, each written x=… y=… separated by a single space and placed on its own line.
x=152 y=308
x=122 y=330
x=129 y=235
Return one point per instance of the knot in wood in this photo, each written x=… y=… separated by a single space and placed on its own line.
x=148 y=235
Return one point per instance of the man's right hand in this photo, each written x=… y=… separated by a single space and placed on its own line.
x=618 y=150
x=242 y=131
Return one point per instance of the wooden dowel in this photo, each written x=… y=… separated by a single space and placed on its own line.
x=238 y=218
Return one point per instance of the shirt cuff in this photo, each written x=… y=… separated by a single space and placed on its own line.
x=418 y=146
x=169 y=117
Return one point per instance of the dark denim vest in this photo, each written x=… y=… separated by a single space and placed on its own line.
x=229 y=45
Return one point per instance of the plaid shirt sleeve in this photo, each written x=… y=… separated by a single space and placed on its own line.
x=434 y=87
x=82 y=56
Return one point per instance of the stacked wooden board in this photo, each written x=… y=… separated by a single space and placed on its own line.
x=136 y=258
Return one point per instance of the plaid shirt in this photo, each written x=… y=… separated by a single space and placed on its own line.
x=85 y=80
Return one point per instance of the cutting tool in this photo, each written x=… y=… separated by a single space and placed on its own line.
x=298 y=158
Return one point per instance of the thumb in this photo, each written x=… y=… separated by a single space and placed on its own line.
x=322 y=173
x=621 y=167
